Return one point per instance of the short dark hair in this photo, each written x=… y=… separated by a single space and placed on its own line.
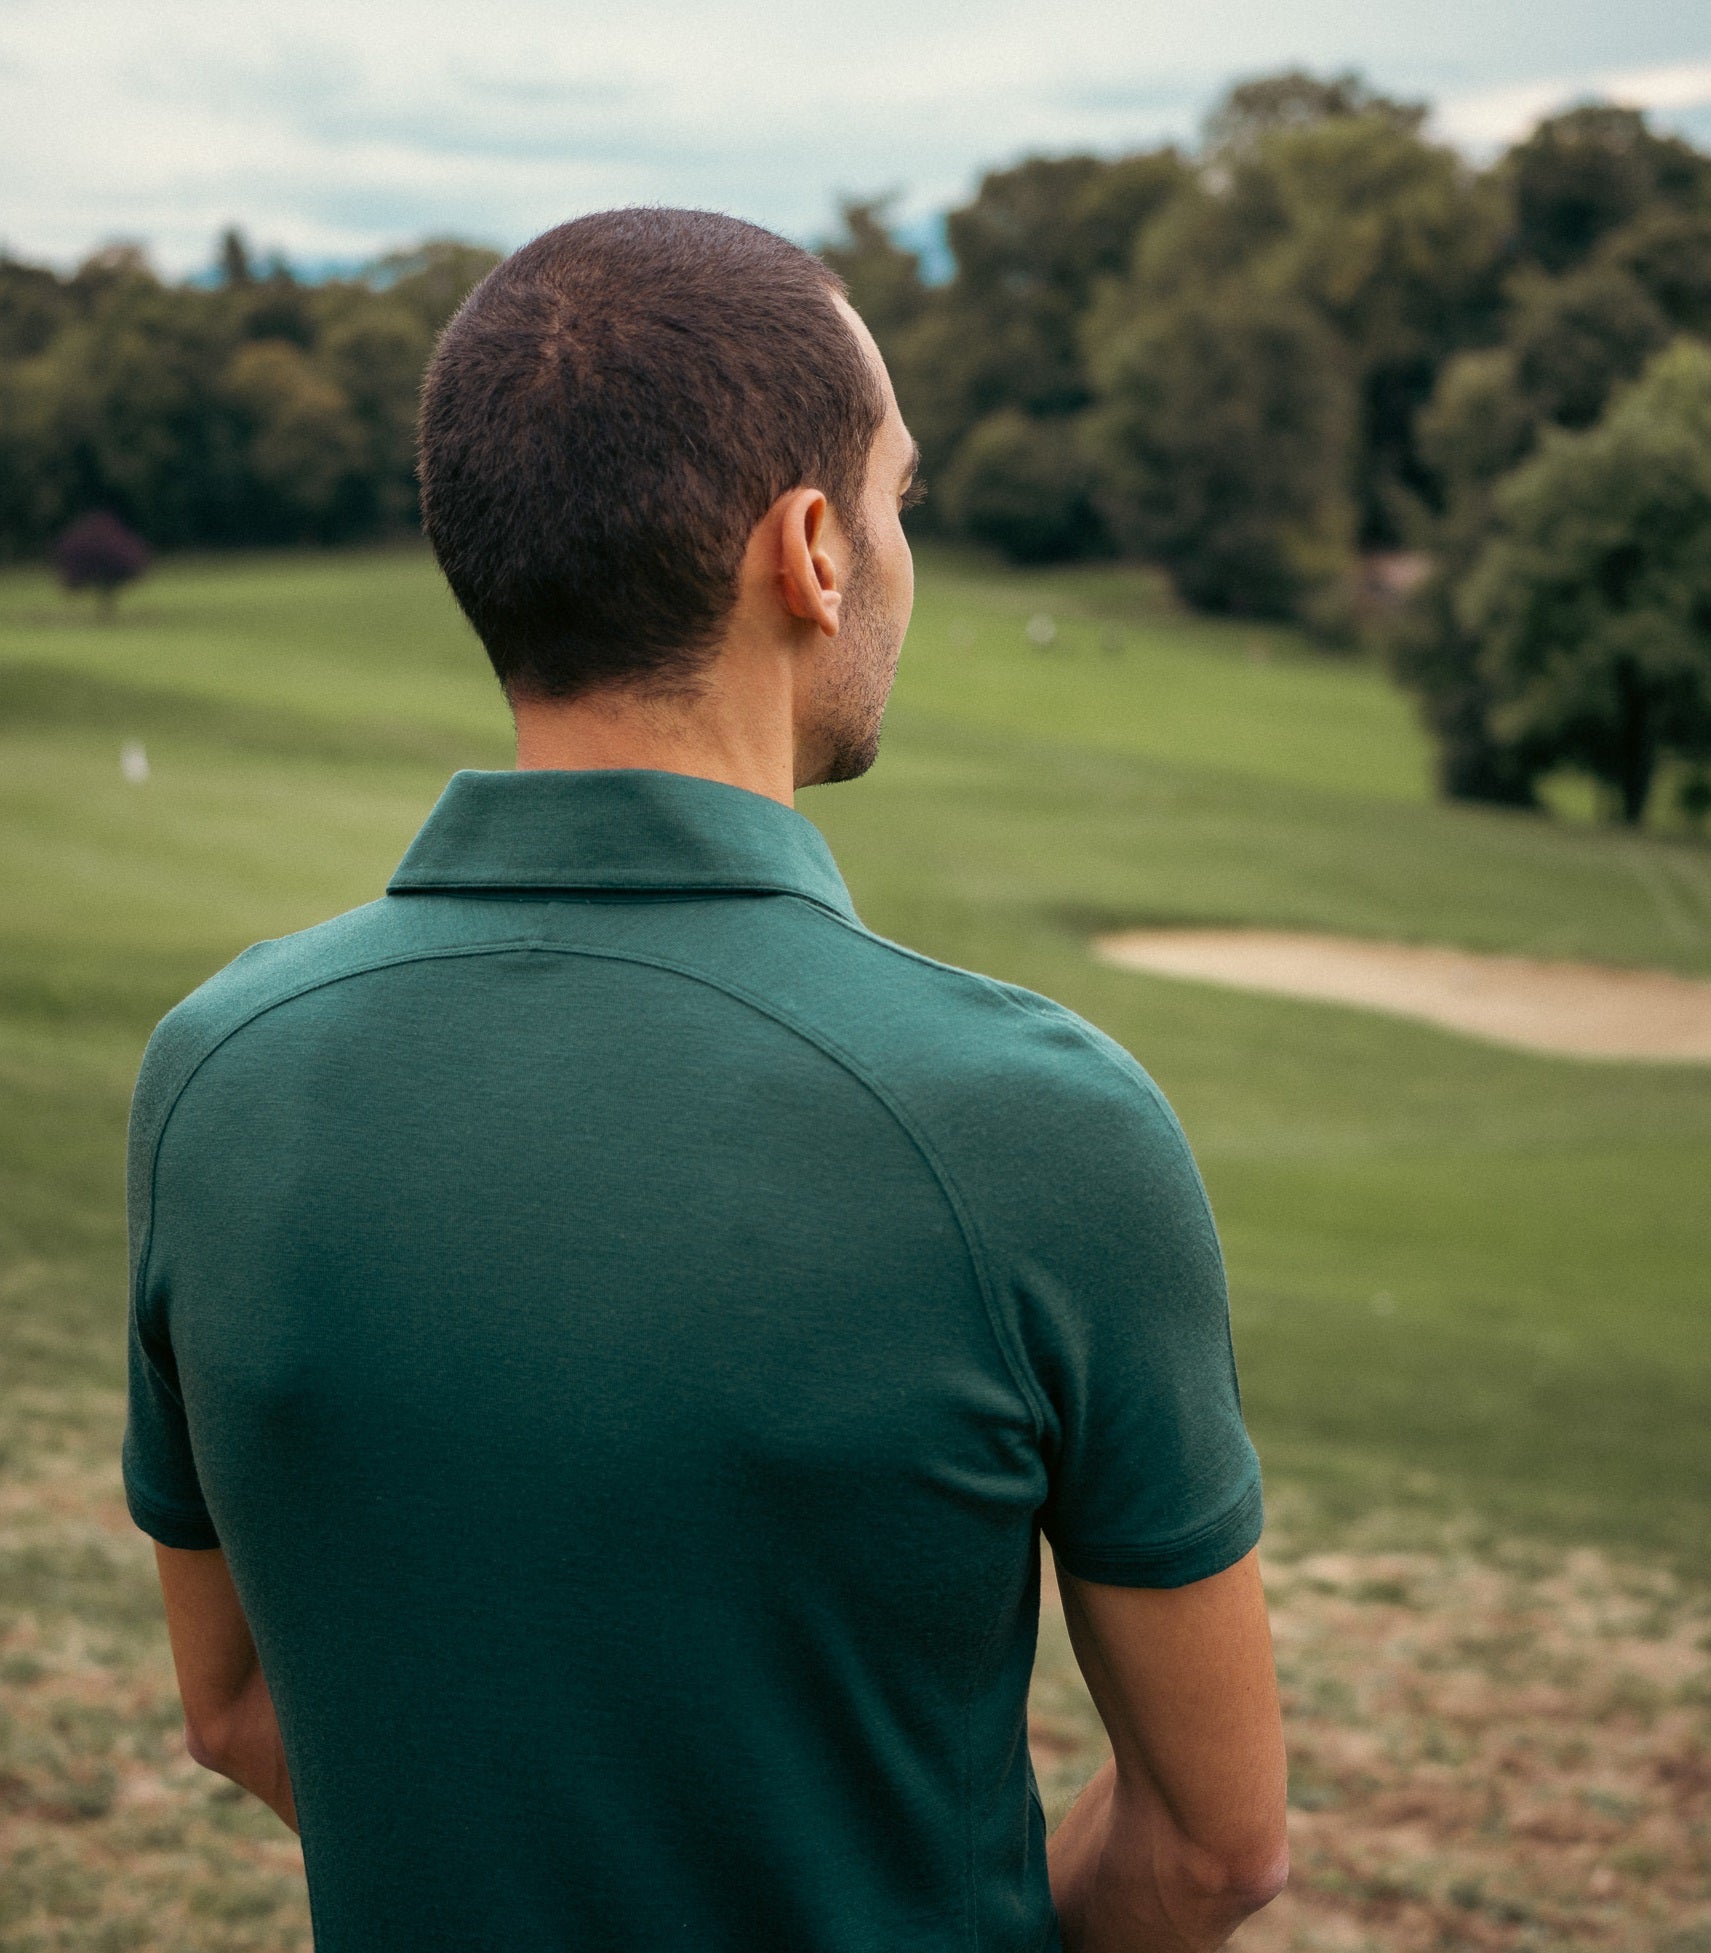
x=606 y=419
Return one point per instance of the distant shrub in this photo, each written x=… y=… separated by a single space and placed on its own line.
x=1222 y=439
x=99 y=553
x=1022 y=485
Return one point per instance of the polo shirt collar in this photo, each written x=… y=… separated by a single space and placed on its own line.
x=627 y=829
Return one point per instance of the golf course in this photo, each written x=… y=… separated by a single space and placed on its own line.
x=1471 y=1285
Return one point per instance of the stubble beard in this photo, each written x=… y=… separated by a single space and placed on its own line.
x=859 y=682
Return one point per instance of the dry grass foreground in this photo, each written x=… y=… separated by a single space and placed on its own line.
x=1581 y=1009
x=1502 y=1747
x=1493 y=1748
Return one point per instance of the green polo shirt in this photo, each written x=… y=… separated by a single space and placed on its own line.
x=628 y=1327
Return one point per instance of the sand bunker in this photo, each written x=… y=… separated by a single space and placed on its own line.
x=1580 y=1008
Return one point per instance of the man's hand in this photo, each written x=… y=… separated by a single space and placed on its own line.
x=1181 y=1836
x=229 y=1724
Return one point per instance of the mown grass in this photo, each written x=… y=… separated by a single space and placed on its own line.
x=1450 y=1263
x=1465 y=1281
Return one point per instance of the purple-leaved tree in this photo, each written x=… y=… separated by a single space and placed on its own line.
x=99 y=553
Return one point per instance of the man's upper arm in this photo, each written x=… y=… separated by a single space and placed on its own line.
x=1117 y=1281
x=1153 y=1501
x=1184 y=1682
x=162 y=1486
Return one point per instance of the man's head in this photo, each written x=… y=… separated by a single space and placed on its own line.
x=611 y=421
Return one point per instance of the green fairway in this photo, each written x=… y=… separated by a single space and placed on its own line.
x=1460 y=1275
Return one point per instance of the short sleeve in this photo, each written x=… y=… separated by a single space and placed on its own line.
x=161 y=1485
x=1123 y=1313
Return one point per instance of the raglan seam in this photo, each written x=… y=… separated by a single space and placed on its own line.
x=828 y=1047
x=273 y=1002
x=1116 y=1060
x=911 y=1127
x=908 y=1122
x=941 y=1176
x=1126 y=1066
x=1121 y=1064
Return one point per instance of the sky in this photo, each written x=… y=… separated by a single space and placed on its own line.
x=331 y=130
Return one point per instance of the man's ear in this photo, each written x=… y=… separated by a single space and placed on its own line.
x=806 y=576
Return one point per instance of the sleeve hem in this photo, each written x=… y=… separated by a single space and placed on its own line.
x=187 y=1528
x=1210 y=1550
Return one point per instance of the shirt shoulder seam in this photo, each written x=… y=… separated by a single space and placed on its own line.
x=945 y=1180
x=216 y=1041
x=1115 y=1059
x=911 y=1127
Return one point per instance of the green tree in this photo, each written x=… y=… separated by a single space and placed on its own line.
x=1024 y=485
x=1296 y=298
x=1393 y=242
x=303 y=446
x=235 y=264
x=1295 y=99
x=883 y=278
x=1569 y=342
x=1478 y=424
x=1030 y=250
x=258 y=409
x=1668 y=254
x=1591 y=603
x=1316 y=196
x=1435 y=656
x=433 y=278
x=1578 y=337
x=1476 y=428
x=138 y=425
x=1223 y=436
x=35 y=500
x=374 y=349
x=34 y=307
x=1585 y=174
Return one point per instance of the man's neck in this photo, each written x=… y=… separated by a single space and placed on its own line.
x=740 y=733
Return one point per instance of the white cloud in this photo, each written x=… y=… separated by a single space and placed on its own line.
x=352 y=126
x=332 y=129
x=1490 y=117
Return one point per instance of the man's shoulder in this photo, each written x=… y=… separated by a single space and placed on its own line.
x=258 y=980
x=976 y=1049
x=1074 y=1185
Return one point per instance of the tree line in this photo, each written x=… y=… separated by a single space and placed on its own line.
x=257 y=409
x=1324 y=335
x=1316 y=336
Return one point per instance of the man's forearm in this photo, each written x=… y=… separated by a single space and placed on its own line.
x=1126 y=1880
x=246 y=1747
x=229 y=1720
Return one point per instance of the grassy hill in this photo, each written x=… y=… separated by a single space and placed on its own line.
x=1465 y=1276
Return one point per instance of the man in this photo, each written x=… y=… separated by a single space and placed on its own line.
x=608 y=1332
